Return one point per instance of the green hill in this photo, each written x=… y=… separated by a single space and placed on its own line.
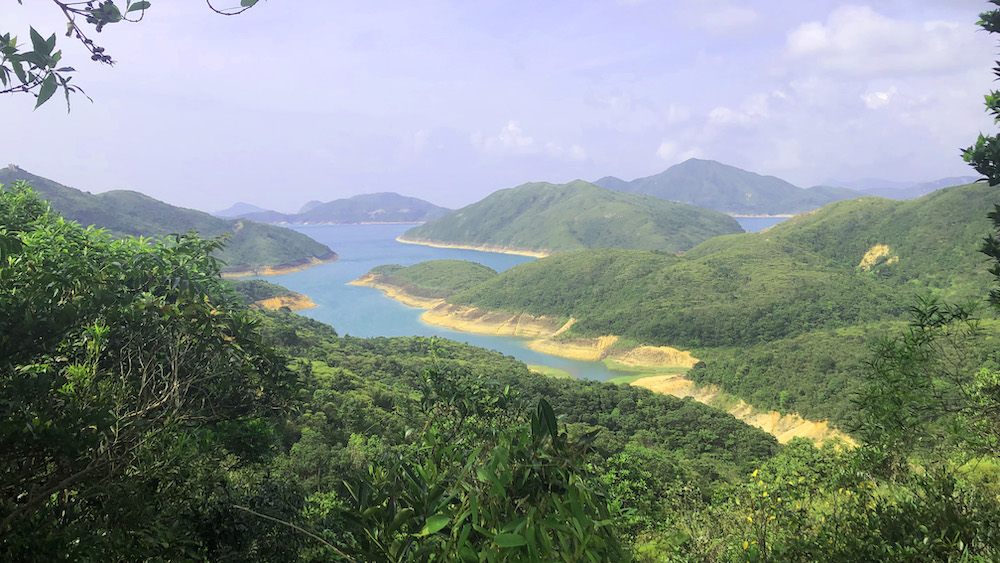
x=238 y=209
x=543 y=217
x=434 y=279
x=806 y=297
x=850 y=262
x=728 y=189
x=386 y=207
x=253 y=247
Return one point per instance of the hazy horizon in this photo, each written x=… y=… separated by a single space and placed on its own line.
x=449 y=102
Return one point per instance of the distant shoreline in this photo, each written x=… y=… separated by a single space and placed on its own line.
x=328 y=224
x=786 y=216
x=479 y=247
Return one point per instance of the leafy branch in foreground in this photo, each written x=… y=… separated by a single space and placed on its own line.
x=38 y=71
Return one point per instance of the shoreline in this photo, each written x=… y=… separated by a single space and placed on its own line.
x=281 y=269
x=294 y=301
x=786 y=216
x=394 y=292
x=479 y=247
x=543 y=330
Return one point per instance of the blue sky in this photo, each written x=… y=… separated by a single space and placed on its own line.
x=449 y=100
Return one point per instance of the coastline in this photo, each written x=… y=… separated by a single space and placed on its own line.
x=394 y=292
x=294 y=301
x=280 y=269
x=544 y=332
x=785 y=215
x=479 y=247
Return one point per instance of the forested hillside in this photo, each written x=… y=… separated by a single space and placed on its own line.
x=253 y=247
x=809 y=296
x=547 y=218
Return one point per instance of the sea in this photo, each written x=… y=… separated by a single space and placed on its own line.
x=366 y=312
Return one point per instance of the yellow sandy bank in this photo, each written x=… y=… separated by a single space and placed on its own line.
x=783 y=427
x=545 y=329
x=481 y=247
x=282 y=268
x=470 y=319
x=294 y=301
x=397 y=293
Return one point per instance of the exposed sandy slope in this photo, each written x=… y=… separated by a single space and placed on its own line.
x=295 y=302
x=470 y=319
x=483 y=247
x=544 y=331
x=783 y=427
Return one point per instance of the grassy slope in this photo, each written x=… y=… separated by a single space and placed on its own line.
x=578 y=215
x=714 y=185
x=132 y=213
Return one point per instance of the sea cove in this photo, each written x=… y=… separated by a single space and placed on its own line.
x=363 y=311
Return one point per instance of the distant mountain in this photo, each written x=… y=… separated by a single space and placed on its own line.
x=309 y=205
x=386 y=207
x=545 y=218
x=254 y=247
x=711 y=184
x=906 y=190
x=238 y=209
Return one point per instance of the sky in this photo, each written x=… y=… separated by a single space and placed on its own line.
x=449 y=101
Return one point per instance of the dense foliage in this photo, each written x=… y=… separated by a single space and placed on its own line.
x=126 y=391
x=251 y=245
x=563 y=217
x=251 y=291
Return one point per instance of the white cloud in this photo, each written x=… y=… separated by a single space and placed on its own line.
x=670 y=151
x=511 y=140
x=751 y=110
x=860 y=41
x=875 y=100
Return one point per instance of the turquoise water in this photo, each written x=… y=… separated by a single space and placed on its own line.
x=363 y=311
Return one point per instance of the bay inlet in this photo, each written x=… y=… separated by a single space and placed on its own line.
x=366 y=312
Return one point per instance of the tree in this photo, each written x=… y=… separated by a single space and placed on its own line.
x=41 y=71
x=128 y=386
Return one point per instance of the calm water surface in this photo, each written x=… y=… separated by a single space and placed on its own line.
x=364 y=311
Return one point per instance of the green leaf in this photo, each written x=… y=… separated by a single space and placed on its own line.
x=138 y=6
x=510 y=540
x=38 y=42
x=48 y=88
x=434 y=524
x=248 y=3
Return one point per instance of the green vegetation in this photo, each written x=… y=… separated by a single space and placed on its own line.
x=434 y=279
x=728 y=189
x=808 y=297
x=251 y=291
x=565 y=217
x=252 y=246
